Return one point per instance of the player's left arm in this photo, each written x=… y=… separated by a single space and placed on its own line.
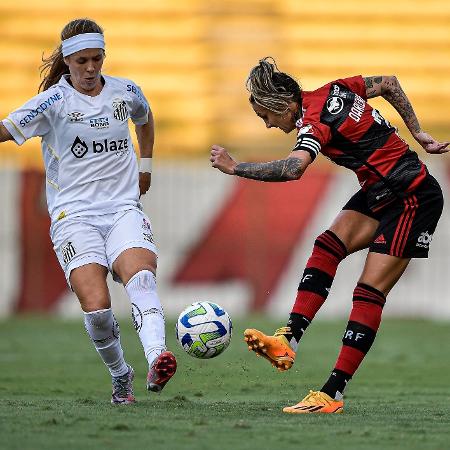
x=389 y=88
x=288 y=169
x=146 y=137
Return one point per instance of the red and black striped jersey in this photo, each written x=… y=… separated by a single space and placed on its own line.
x=338 y=122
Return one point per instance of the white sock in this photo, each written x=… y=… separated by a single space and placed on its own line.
x=147 y=312
x=103 y=330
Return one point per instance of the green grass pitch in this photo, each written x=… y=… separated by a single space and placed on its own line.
x=55 y=392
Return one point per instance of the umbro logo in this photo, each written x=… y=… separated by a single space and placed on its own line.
x=75 y=116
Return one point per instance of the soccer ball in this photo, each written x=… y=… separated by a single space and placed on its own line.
x=204 y=330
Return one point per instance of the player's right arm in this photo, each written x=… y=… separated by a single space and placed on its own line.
x=389 y=88
x=288 y=169
x=5 y=135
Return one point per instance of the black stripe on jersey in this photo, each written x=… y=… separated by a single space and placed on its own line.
x=308 y=143
x=373 y=139
x=346 y=99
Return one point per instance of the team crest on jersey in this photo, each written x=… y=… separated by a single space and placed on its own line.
x=75 y=116
x=120 y=109
x=335 y=105
x=79 y=148
x=68 y=252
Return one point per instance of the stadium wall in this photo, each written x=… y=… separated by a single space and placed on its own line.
x=237 y=242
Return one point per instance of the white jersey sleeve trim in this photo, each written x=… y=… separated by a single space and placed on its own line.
x=14 y=130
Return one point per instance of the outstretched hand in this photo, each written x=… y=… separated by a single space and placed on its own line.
x=430 y=144
x=220 y=159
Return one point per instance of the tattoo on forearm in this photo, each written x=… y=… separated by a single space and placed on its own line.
x=280 y=170
x=371 y=90
x=397 y=98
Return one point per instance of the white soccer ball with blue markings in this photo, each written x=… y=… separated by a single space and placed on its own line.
x=204 y=330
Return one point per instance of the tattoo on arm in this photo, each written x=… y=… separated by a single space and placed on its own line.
x=373 y=86
x=394 y=94
x=281 y=170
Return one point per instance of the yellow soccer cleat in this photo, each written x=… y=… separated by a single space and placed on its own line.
x=316 y=402
x=275 y=349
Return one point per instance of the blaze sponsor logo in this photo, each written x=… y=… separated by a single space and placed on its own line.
x=424 y=240
x=119 y=147
x=100 y=122
x=75 y=116
x=79 y=148
x=40 y=109
x=335 y=105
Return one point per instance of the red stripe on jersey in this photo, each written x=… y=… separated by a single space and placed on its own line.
x=404 y=227
x=414 y=207
x=416 y=182
x=385 y=158
x=354 y=130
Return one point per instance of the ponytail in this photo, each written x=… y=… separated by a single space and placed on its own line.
x=272 y=89
x=54 y=67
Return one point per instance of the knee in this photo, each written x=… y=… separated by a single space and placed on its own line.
x=129 y=272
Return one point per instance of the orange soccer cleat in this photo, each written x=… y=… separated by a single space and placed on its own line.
x=316 y=402
x=275 y=349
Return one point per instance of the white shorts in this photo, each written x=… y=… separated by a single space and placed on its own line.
x=100 y=239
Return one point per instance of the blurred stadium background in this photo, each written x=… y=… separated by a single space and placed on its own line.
x=236 y=242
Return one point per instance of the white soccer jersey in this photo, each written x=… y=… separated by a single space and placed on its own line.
x=90 y=162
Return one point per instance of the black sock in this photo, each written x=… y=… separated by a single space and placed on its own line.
x=336 y=384
x=298 y=324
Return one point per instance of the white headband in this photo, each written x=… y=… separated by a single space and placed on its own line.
x=81 y=42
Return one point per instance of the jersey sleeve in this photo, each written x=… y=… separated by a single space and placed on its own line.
x=33 y=118
x=139 y=104
x=311 y=137
x=356 y=84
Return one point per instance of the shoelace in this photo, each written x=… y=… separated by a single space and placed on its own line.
x=283 y=331
x=313 y=397
x=122 y=385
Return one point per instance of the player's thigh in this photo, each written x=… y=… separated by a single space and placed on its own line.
x=383 y=271
x=77 y=242
x=356 y=224
x=89 y=284
x=354 y=229
x=130 y=245
x=80 y=249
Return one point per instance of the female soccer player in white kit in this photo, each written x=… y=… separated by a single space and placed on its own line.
x=93 y=189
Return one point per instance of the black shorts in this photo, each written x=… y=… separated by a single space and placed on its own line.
x=406 y=225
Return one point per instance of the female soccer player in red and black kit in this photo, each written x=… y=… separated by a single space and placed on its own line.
x=394 y=214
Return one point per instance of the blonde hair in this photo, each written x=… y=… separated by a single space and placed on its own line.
x=272 y=89
x=54 y=67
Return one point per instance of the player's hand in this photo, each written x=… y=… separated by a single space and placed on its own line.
x=220 y=159
x=145 y=180
x=430 y=144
